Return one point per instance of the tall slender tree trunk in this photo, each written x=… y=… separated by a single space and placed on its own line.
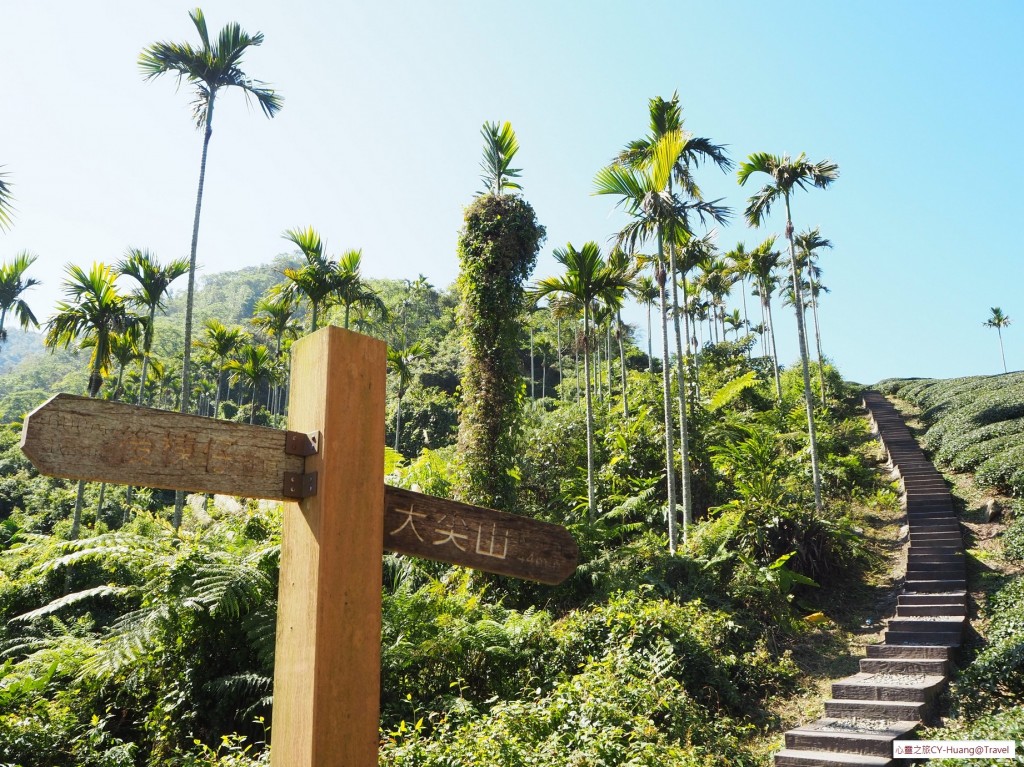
x=801 y=335
x=576 y=367
x=622 y=363
x=666 y=381
x=558 y=353
x=775 y=355
x=650 y=345
x=591 y=492
x=746 y=319
x=533 y=375
x=179 y=496
x=1002 y=354
x=686 y=330
x=684 y=435
x=608 y=358
x=817 y=342
x=544 y=373
x=398 y=421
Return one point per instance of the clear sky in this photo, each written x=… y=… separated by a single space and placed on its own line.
x=378 y=144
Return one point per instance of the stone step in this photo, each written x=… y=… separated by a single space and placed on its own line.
x=903 y=611
x=789 y=757
x=919 y=688
x=908 y=651
x=923 y=638
x=903 y=711
x=937 y=598
x=869 y=737
x=936 y=666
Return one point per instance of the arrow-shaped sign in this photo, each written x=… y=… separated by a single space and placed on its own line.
x=102 y=441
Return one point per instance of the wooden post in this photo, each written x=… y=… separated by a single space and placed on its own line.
x=327 y=668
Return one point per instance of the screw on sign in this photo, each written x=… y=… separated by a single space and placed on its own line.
x=339 y=517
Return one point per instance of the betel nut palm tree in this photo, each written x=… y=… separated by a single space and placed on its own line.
x=644 y=193
x=400 y=361
x=153 y=283
x=788 y=174
x=214 y=65
x=666 y=117
x=319 y=279
x=92 y=314
x=998 y=320
x=587 y=279
x=13 y=285
x=220 y=341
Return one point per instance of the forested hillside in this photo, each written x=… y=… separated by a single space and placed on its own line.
x=141 y=644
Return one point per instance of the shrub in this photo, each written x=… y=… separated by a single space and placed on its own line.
x=995 y=679
x=1013 y=538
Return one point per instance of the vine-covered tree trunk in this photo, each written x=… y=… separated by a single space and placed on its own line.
x=497 y=251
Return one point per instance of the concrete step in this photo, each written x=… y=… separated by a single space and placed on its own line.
x=908 y=651
x=870 y=737
x=789 y=757
x=937 y=598
x=933 y=666
x=903 y=711
x=919 y=688
x=905 y=611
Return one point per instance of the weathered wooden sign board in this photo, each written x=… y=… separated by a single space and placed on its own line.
x=100 y=441
x=339 y=518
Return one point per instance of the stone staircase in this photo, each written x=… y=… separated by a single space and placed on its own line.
x=900 y=679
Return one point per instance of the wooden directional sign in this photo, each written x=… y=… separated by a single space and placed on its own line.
x=484 y=539
x=338 y=519
x=102 y=441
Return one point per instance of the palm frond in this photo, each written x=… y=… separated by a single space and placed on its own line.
x=500 y=146
x=70 y=599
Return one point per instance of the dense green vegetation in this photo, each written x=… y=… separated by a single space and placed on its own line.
x=977 y=424
x=129 y=644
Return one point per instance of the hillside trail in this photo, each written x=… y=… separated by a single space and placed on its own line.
x=896 y=689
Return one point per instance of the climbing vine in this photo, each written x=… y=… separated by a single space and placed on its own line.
x=498 y=248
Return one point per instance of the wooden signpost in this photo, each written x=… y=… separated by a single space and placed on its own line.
x=339 y=517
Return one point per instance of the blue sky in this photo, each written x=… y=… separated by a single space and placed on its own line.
x=378 y=143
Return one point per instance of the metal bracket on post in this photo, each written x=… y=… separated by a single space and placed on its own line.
x=300 y=485
x=297 y=443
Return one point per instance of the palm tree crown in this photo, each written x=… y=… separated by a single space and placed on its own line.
x=154 y=281
x=6 y=208
x=209 y=68
x=93 y=312
x=12 y=284
x=786 y=174
x=500 y=146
